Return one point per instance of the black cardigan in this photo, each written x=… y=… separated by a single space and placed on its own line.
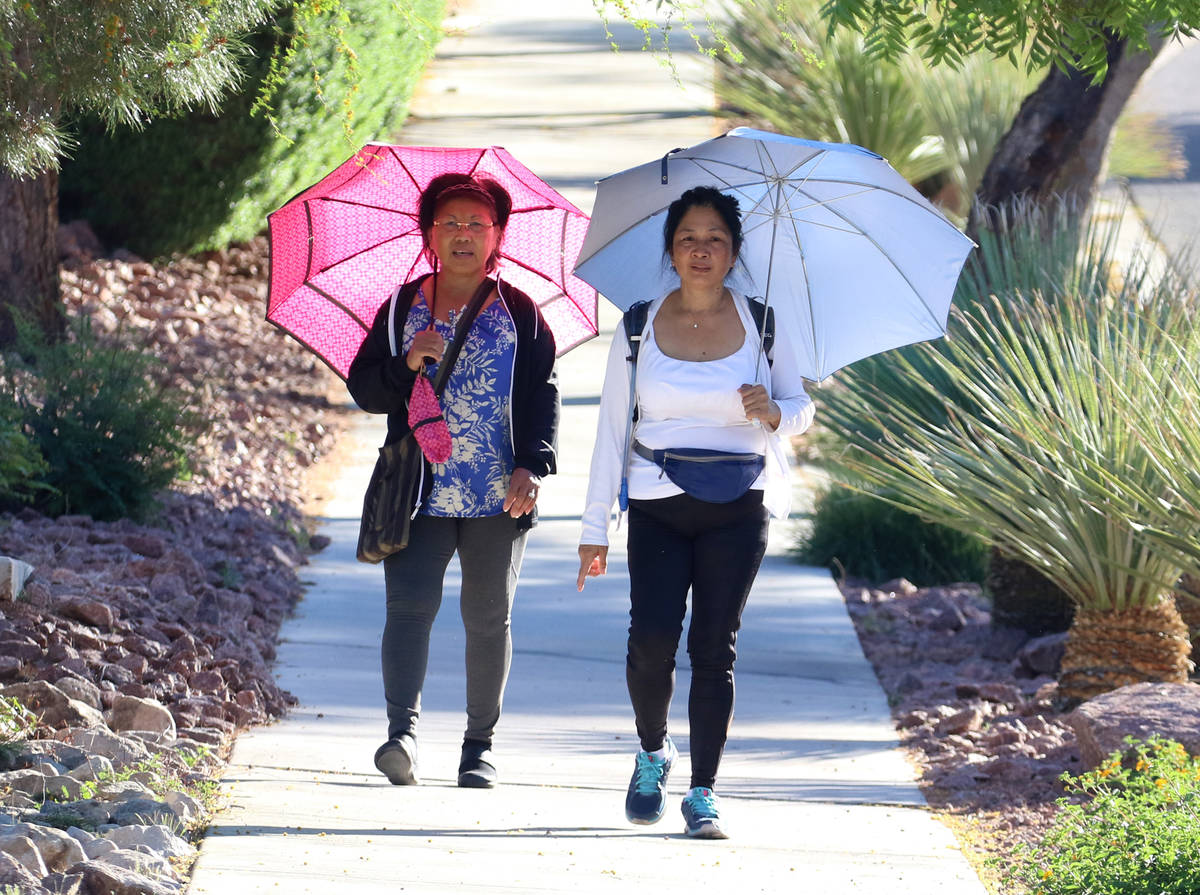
x=381 y=383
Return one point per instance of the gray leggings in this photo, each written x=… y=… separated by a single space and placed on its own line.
x=490 y=550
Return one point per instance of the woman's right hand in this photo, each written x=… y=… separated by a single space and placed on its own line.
x=593 y=561
x=427 y=345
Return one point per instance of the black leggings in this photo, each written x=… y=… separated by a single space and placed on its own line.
x=677 y=543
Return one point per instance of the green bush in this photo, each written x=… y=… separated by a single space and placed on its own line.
x=111 y=434
x=869 y=538
x=16 y=726
x=204 y=180
x=20 y=460
x=1135 y=835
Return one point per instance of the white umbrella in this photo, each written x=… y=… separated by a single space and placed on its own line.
x=852 y=258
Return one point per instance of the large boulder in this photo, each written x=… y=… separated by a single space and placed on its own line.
x=133 y=713
x=14 y=873
x=54 y=707
x=13 y=575
x=1139 y=710
x=58 y=849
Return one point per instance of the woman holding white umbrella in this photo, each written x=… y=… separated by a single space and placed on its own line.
x=706 y=467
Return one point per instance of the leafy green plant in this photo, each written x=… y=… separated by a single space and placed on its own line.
x=20 y=461
x=16 y=725
x=867 y=537
x=112 y=435
x=229 y=168
x=1130 y=827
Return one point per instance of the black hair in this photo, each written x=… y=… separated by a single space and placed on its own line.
x=453 y=185
x=706 y=197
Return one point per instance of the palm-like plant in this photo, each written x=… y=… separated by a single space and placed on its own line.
x=1057 y=453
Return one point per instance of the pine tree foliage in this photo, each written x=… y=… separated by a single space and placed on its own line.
x=124 y=60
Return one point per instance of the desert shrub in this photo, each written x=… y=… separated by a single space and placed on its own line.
x=209 y=178
x=1130 y=827
x=856 y=532
x=20 y=460
x=16 y=725
x=111 y=433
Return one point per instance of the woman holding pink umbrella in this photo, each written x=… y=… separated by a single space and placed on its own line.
x=501 y=405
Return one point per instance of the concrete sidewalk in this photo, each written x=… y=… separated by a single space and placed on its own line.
x=817 y=796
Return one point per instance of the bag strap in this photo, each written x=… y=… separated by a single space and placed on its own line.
x=470 y=312
x=634 y=320
x=764 y=322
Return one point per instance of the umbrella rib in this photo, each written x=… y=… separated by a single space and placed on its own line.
x=309 y=242
x=308 y=276
x=312 y=347
x=356 y=204
x=338 y=304
x=883 y=253
x=533 y=188
x=521 y=264
x=403 y=166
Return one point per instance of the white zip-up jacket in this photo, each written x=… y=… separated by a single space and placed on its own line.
x=657 y=429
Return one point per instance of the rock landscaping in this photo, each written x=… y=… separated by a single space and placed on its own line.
x=143 y=648
x=977 y=709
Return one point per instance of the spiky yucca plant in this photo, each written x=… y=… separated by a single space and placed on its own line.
x=1049 y=455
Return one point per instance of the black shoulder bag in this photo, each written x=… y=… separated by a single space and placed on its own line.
x=394 y=492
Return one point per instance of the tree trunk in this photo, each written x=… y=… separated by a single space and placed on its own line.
x=1187 y=600
x=1022 y=597
x=1058 y=143
x=1110 y=649
x=28 y=253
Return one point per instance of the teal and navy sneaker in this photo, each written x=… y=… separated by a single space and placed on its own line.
x=702 y=814
x=647 y=796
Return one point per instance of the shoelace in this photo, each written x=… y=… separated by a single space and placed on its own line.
x=703 y=804
x=649 y=773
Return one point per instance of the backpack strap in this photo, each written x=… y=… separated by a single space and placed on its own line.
x=634 y=320
x=764 y=323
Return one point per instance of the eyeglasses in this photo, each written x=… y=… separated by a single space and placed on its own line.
x=473 y=227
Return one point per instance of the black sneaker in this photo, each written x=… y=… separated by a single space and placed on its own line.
x=397 y=760
x=702 y=814
x=647 y=796
x=476 y=770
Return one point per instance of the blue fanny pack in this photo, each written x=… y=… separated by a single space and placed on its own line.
x=711 y=476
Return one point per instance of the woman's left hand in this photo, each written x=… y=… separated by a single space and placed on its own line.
x=758 y=406
x=522 y=495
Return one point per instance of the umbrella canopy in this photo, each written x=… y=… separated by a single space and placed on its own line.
x=340 y=247
x=852 y=258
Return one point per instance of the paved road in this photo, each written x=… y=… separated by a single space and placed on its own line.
x=1171 y=208
x=818 y=796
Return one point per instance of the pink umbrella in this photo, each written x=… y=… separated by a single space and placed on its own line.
x=339 y=248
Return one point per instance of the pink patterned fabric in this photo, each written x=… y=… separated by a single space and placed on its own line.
x=427 y=422
x=339 y=248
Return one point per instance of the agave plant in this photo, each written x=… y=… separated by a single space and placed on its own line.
x=1056 y=453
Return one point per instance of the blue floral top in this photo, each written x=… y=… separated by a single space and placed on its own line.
x=476 y=403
